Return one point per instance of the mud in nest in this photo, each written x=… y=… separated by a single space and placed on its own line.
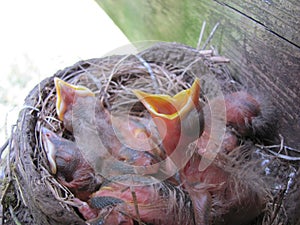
x=32 y=195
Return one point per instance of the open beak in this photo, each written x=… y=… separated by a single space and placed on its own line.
x=47 y=139
x=66 y=94
x=172 y=113
x=168 y=107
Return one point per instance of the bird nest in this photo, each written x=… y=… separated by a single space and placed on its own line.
x=32 y=195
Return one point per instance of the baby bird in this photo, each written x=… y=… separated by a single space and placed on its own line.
x=69 y=166
x=179 y=119
x=141 y=200
x=212 y=182
x=120 y=139
x=240 y=109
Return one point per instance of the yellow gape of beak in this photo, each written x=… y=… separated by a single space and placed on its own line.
x=66 y=94
x=170 y=108
x=170 y=113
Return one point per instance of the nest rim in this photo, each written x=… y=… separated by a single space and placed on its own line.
x=36 y=113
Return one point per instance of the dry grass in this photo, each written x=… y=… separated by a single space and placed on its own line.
x=112 y=80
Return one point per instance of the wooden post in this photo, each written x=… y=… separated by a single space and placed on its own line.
x=260 y=37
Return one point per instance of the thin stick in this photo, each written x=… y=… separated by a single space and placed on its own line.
x=280 y=146
x=286 y=157
x=20 y=189
x=201 y=35
x=210 y=36
x=136 y=207
x=4 y=146
x=153 y=77
x=2 y=214
x=13 y=215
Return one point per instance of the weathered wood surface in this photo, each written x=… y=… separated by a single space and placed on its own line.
x=279 y=17
x=261 y=37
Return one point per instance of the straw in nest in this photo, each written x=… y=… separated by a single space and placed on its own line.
x=31 y=195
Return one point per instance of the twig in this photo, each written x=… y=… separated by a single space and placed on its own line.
x=8 y=162
x=286 y=157
x=13 y=215
x=201 y=35
x=219 y=59
x=4 y=146
x=280 y=146
x=276 y=206
x=207 y=52
x=1 y=214
x=52 y=118
x=153 y=77
x=20 y=189
x=30 y=107
x=210 y=36
x=136 y=207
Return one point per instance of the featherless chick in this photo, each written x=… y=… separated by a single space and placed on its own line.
x=181 y=120
x=69 y=166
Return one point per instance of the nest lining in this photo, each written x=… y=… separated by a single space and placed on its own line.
x=34 y=196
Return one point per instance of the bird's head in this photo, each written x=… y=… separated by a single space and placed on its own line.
x=49 y=140
x=62 y=154
x=67 y=94
x=178 y=118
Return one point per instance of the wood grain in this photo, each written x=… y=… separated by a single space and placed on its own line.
x=260 y=37
x=281 y=18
